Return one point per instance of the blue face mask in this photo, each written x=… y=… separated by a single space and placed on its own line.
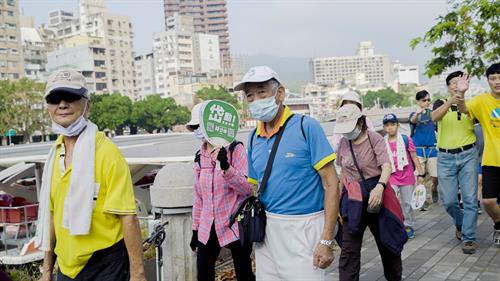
x=264 y=109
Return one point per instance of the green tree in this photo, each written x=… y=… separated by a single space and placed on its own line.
x=386 y=98
x=154 y=113
x=467 y=35
x=22 y=107
x=111 y=111
x=219 y=93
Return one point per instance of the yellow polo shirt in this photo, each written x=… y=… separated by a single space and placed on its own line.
x=486 y=109
x=115 y=197
x=453 y=133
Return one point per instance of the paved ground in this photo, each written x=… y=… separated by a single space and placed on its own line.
x=435 y=253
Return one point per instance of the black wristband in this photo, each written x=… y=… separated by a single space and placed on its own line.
x=382 y=184
x=423 y=176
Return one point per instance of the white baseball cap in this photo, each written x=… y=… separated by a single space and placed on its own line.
x=347 y=118
x=257 y=74
x=195 y=117
x=351 y=96
x=66 y=80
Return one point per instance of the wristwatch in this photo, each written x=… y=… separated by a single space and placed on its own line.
x=332 y=244
x=382 y=184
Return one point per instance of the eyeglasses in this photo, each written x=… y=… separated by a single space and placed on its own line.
x=426 y=100
x=56 y=98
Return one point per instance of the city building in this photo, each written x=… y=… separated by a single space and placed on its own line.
x=117 y=34
x=210 y=17
x=299 y=104
x=34 y=50
x=58 y=17
x=407 y=74
x=364 y=70
x=206 y=53
x=324 y=100
x=87 y=55
x=145 y=76
x=11 y=58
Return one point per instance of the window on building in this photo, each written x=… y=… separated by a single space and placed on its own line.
x=100 y=86
x=10 y=13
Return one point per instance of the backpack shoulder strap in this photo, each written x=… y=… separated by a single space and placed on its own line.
x=253 y=136
x=197 y=158
x=405 y=139
x=232 y=147
x=302 y=126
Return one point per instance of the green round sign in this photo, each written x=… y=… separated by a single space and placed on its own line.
x=219 y=122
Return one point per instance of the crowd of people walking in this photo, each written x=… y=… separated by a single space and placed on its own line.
x=308 y=212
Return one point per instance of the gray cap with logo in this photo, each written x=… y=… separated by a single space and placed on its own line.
x=257 y=74
x=66 y=80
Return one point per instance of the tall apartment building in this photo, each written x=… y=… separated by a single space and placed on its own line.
x=34 y=50
x=182 y=57
x=364 y=70
x=173 y=55
x=210 y=17
x=11 y=58
x=206 y=53
x=116 y=32
x=87 y=55
x=145 y=76
x=57 y=17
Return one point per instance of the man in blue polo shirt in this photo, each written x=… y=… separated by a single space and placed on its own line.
x=423 y=134
x=301 y=196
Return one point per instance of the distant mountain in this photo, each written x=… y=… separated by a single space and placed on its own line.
x=295 y=72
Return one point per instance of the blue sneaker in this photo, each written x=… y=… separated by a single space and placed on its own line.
x=410 y=232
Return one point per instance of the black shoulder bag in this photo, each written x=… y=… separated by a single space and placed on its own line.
x=251 y=214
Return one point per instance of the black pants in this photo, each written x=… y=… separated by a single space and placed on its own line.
x=208 y=254
x=110 y=264
x=350 y=257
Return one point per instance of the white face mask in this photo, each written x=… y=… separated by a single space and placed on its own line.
x=264 y=109
x=354 y=134
x=72 y=130
x=198 y=134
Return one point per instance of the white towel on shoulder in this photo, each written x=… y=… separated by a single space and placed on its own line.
x=79 y=202
x=401 y=154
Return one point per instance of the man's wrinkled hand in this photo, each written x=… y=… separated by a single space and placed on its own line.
x=463 y=83
x=137 y=277
x=45 y=277
x=323 y=256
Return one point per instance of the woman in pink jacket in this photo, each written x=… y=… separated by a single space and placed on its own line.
x=220 y=185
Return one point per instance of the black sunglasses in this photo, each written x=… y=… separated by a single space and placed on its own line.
x=57 y=97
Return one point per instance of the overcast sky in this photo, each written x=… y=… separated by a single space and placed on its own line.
x=291 y=28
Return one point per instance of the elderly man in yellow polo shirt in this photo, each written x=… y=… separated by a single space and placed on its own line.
x=87 y=216
x=457 y=164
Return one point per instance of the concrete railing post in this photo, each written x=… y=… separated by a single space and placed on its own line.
x=172 y=197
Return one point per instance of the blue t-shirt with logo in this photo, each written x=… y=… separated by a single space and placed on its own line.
x=424 y=134
x=294 y=186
